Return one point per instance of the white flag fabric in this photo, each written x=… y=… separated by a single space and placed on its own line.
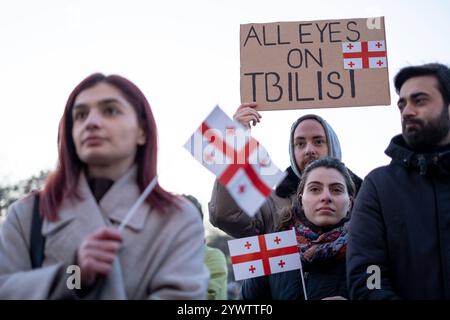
x=354 y=63
x=364 y=54
x=240 y=163
x=377 y=62
x=351 y=47
x=376 y=45
x=264 y=254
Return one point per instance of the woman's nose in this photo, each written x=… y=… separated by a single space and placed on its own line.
x=93 y=120
x=325 y=196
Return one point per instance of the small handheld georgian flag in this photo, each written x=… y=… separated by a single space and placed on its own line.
x=264 y=254
x=240 y=163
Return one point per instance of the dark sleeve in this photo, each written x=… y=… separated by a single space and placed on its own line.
x=256 y=289
x=367 y=247
x=225 y=214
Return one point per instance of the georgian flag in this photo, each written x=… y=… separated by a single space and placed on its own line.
x=240 y=163
x=264 y=254
x=364 y=54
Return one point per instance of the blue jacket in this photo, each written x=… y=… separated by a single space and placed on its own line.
x=401 y=223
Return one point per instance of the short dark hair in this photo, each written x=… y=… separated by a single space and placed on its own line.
x=440 y=71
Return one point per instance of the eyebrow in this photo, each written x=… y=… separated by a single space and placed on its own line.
x=314 y=182
x=413 y=96
x=315 y=137
x=101 y=102
x=337 y=184
x=110 y=100
x=418 y=94
x=331 y=184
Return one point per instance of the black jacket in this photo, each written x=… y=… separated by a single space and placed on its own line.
x=401 y=223
x=321 y=281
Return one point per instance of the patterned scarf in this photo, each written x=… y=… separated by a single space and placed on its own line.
x=318 y=247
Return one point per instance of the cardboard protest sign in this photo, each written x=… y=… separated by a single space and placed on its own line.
x=315 y=64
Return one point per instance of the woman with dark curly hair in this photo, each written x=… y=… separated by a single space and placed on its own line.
x=318 y=214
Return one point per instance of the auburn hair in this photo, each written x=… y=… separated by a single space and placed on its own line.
x=64 y=180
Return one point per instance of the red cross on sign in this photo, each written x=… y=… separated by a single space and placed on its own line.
x=281 y=263
x=365 y=54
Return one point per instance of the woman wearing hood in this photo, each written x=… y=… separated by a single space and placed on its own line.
x=311 y=138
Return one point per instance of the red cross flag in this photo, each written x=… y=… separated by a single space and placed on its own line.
x=264 y=254
x=240 y=163
x=364 y=55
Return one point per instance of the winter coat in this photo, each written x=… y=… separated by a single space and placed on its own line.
x=161 y=255
x=216 y=262
x=400 y=228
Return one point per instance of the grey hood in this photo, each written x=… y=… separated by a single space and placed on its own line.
x=334 y=147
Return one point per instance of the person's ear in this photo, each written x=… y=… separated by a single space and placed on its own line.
x=141 y=139
x=350 y=205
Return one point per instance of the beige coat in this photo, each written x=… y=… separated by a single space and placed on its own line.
x=161 y=257
x=226 y=215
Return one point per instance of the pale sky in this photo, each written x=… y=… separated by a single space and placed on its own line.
x=184 y=55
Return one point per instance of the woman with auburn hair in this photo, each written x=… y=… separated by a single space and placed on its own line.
x=318 y=215
x=107 y=146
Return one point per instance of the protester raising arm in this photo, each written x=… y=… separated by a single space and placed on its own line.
x=247 y=115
